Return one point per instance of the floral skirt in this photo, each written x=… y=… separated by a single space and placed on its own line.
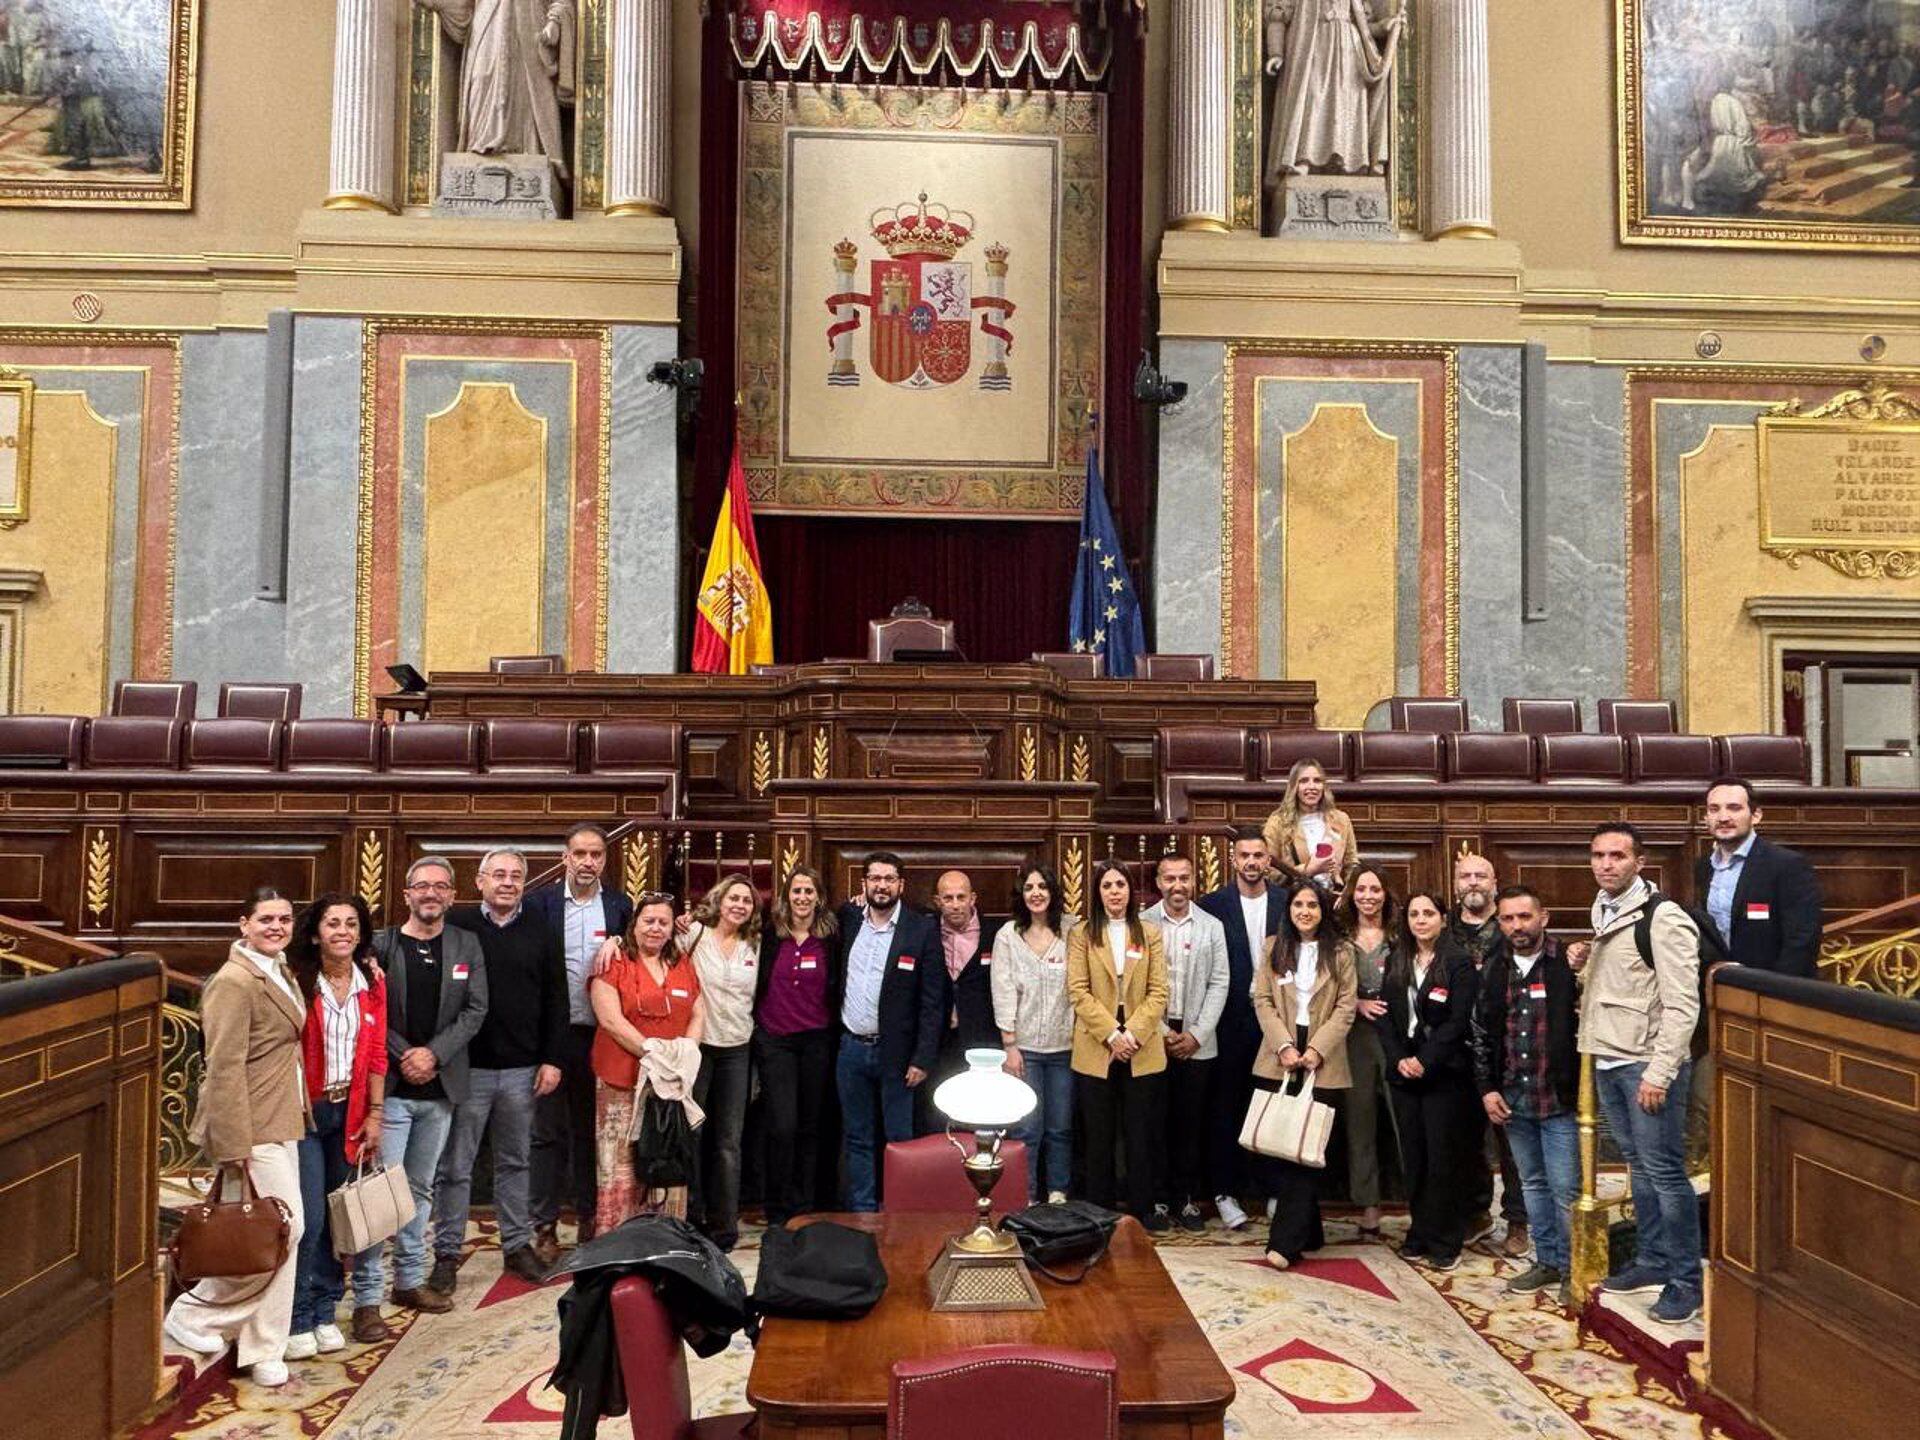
x=621 y=1198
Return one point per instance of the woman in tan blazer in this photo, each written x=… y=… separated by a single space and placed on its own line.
x=1308 y=836
x=1117 y=982
x=253 y=1112
x=1303 y=997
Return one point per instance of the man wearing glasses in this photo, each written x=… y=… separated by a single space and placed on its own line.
x=436 y=1003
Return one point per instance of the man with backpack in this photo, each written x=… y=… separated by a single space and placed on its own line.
x=1637 y=1016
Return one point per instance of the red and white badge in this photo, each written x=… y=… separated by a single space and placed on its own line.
x=1133 y=952
x=1439 y=992
x=678 y=994
x=460 y=972
x=1537 y=991
x=906 y=962
x=809 y=965
x=1759 y=912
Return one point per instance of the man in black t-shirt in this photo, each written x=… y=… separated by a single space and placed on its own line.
x=436 y=1002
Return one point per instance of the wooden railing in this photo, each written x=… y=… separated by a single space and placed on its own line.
x=1888 y=964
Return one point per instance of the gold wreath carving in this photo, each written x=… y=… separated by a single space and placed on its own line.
x=373 y=870
x=1082 y=760
x=822 y=753
x=1072 y=883
x=1873 y=403
x=1029 y=754
x=1855 y=564
x=97 y=884
x=789 y=858
x=1210 y=877
x=636 y=866
x=762 y=762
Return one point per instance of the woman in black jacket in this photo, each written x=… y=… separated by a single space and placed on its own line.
x=1427 y=1034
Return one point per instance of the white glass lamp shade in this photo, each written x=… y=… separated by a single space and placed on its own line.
x=983 y=1096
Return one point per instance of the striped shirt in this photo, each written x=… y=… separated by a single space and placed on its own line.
x=341 y=1026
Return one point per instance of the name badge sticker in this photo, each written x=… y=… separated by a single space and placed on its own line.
x=906 y=962
x=678 y=994
x=1133 y=952
x=809 y=965
x=1439 y=992
x=1759 y=912
x=460 y=972
x=1537 y=991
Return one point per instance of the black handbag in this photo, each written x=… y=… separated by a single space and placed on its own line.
x=821 y=1271
x=1076 y=1232
x=663 y=1148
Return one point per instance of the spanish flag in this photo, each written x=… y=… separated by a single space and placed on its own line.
x=733 y=620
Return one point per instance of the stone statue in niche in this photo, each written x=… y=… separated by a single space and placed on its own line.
x=517 y=66
x=1327 y=130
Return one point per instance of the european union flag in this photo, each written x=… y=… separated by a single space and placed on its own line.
x=1106 y=613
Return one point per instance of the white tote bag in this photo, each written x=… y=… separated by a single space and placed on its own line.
x=369 y=1209
x=1288 y=1127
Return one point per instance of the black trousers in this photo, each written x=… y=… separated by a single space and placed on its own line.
x=1295 y=1227
x=951 y=1060
x=796 y=1075
x=1495 y=1152
x=562 y=1157
x=1123 y=1107
x=1440 y=1130
x=1189 y=1089
x=1229 y=1171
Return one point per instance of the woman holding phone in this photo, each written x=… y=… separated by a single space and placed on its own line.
x=1308 y=836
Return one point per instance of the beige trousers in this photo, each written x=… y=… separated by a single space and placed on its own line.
x=238 y=1311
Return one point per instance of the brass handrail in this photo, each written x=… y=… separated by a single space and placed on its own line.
x=1589 y=1223
x=1887 y=964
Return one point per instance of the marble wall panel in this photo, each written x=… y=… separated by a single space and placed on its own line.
x=1186 y=544
x=1491 y=665
x=323 y=511
x=643 y=520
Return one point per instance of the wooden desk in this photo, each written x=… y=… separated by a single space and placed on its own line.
x=828 y=1378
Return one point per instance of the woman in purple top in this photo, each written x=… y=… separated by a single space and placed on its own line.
x=793 y=1039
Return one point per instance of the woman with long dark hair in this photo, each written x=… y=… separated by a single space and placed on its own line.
x=1117 y=982
x=1427 y=1037
x=1303 y=997
x=1370 y=916
x=1035 y=1017
x=793 y=1039
x=344 y=1046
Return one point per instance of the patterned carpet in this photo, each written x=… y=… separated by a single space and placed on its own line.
x=1352 y=1342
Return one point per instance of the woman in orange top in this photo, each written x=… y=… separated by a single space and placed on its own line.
x=649 y=991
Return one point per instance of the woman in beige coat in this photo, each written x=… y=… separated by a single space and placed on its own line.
x=1117 y=983
x=253 y=1113
x=1303 y=996
x=1308 y=836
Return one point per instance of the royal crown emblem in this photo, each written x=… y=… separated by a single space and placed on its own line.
x=922 y=301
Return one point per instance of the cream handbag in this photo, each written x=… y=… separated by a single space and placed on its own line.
x=1288 y=1127
x=369 y=1209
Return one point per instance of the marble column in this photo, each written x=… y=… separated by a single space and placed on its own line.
x=1197 y=116
x=366 y=105
x=1460 y=152
x=639 y=101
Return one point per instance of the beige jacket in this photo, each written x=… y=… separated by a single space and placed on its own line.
x=1329 y=1014
x=1629 y=1011
x=1096 y=992
x=251 y=1093
x=1291 y=855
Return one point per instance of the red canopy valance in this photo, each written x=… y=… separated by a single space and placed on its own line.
x=1007 y=40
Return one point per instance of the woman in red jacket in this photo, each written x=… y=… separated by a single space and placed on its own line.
x=344 y=1057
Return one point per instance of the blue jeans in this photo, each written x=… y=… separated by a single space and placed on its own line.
x=414 y=1134
x=1655 y=1149
x=1546 y=1152
x=869 y=1101
x=1048 y=1131
x=319 y=1281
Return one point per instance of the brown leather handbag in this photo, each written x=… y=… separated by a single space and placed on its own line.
x=230 y=1239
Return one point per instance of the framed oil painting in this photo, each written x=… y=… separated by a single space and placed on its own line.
x=1781 y=124
x=96 y=103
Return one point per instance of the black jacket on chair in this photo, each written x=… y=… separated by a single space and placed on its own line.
x=1776 y=909
x=913 y=987
x=1442 y=1041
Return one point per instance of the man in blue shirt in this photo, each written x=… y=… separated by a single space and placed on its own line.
x=1762 y=898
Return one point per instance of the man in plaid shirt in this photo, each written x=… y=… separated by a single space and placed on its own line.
x=1527 y=1065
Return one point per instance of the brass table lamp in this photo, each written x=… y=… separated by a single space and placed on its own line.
x=983 y=1269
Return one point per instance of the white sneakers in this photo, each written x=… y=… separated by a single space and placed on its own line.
x=302 y=1347
x=1056 y=1197
x=198 y=1341
x=1272 y=1205
x=329 y=1338
x=269 y=1373
x=1231 y=1215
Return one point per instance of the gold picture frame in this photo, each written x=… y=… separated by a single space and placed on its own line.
x=16 y=446
x=1841 y=484
x=97 y=105
x=1753 y=134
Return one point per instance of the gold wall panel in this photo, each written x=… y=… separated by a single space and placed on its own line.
x=1340 y=577
x=63 y=648
x=484 y=550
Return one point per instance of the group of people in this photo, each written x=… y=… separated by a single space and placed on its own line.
x=554 y=1018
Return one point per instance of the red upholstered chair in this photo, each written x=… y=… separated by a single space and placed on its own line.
x=1589 y=759
x=1399 y=755
x=1765 y=759
x=1637 y=717
x=527 y=665
x=433 y=747
x=44 y=742
x=1173 y=667
x=168 y=699
x=259 y=700
x=1490 y=755
x=1184 y=754
x=1690 y=760
x=1072 y=664
x=542 y=747
x=1280 y=750
x=234 y=744
x=653 y=1362
x=1540 y=717
x=1432 y=714
x=334 y=744
x=925 y=1174
x=1001 y=1390
x=885 y=638
x=134 y=742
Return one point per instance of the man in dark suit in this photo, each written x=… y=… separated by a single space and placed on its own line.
x=581 y=913
x=966 y=945
x=888 y=991
x=1763 y=898
x=1249 y=911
